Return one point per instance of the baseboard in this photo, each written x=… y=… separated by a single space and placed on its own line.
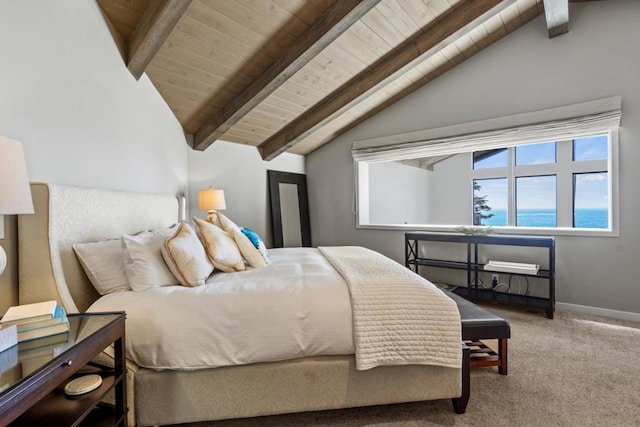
x=616 y=314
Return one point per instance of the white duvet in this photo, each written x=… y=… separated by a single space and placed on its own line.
x=295 y=307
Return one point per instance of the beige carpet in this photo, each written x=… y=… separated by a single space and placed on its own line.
x=575 y=370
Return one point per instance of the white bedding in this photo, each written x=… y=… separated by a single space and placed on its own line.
x=295 y=307
x=399 y=317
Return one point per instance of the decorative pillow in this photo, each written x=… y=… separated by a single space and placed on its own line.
x=185 y=257
x=219 y=246
x=102 y=261
x=248 y=251
x=257 y=242
x=143 y=261
x=226 y=224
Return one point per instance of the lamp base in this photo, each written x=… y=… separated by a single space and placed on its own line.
x=3 y=260
x=212 y=217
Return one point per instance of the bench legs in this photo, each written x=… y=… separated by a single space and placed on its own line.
x=502 y=355
x=460 y=403
x=484 y=355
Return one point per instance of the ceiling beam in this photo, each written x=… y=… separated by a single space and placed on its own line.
x=556 y=13
x=415 y=86
x=152 y=31
x=425 y=163
x=334 y=21
x=457 y=21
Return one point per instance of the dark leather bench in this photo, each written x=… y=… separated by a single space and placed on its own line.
x=479 y=324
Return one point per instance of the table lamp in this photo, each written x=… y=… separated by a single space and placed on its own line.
x=15 y=194
x=211 y=200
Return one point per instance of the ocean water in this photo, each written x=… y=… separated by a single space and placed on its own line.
x=584 y=218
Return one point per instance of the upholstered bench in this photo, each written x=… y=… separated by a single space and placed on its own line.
x=479 y=324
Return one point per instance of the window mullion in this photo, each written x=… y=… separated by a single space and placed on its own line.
x=511 y=187
x=564 y=183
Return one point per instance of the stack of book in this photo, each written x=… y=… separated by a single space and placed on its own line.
x=36 y=320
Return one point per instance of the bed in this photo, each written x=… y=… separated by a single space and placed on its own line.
x=49 y=269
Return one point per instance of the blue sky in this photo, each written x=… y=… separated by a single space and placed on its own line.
x=590 y=148
x=591 y=190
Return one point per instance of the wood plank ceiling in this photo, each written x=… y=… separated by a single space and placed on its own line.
x=291 y=75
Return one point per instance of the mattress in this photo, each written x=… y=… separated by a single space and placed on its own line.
x=297 y=306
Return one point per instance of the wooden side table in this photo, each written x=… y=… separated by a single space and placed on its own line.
x=33 y=392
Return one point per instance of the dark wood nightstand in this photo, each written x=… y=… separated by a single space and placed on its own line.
x=32 y=379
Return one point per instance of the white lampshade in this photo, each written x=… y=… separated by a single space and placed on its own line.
x=15 y=194
x=211 y=200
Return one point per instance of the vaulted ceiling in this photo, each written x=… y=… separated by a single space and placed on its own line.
x=291 y=75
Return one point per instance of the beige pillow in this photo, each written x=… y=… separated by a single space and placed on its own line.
x=226 y=224
x=248 y=251
x=186 y=258
x=219 y=246
x=103 y=263
x=143 y=263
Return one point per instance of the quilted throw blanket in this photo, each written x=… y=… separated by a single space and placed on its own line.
x=399 y=318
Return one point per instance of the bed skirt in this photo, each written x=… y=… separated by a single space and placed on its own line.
x=310 y=384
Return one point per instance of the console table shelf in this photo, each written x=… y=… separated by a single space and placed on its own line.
x=473 y=266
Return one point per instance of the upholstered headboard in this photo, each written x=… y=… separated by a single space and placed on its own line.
x=64 y=215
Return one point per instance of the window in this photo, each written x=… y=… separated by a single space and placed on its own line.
x=490 y=159
x=551 y=171
x=536 y=154
x=590 y=200
x=490 y=201
x=536 y=201
x=554 y=184
x=591 y=148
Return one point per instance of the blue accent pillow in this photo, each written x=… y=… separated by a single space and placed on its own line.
x=252 y=235
x=257 y=242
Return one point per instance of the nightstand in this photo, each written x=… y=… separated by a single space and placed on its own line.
x=32 y=378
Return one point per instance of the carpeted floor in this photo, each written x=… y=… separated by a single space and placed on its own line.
x=574 y=370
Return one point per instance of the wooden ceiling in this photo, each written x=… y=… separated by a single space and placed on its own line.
x=291 y=75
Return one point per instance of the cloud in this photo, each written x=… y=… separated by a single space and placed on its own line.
x=591 y=177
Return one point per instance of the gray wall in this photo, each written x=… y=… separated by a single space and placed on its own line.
x=526 y=71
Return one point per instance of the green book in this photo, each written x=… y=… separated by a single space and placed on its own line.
x=60 y=316
x=57 y=325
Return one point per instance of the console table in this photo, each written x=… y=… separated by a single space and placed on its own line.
x=473 y=264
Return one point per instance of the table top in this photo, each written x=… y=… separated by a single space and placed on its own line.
x=20 y=362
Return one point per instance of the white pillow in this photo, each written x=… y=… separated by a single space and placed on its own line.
x=248 y=251
x=102 y=261
x=186 y=258
x=143 y=261
x=220 y=247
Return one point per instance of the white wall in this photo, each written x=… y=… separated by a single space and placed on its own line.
x=81 y=116
x=452 y=203
x=242 y=174
x=399 y=194
x=525 y=71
